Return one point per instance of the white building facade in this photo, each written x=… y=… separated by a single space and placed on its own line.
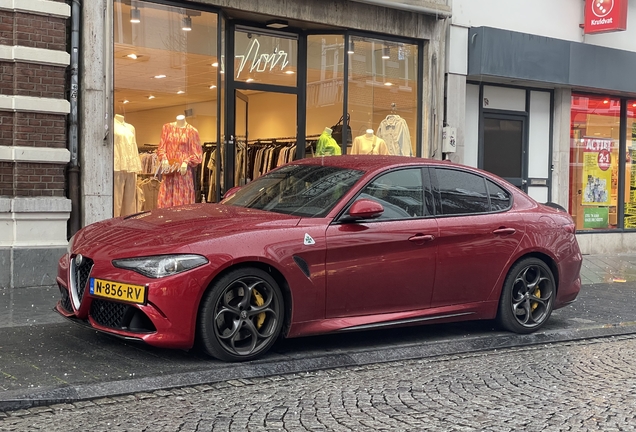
x=551 y=109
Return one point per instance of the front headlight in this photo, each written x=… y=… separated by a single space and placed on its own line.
x=161 y=265
x=69 y=246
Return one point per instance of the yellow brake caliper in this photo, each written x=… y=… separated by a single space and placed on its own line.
x=537 y=293
x=260 y=318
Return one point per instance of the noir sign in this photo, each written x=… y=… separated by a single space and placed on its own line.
x=603 y=16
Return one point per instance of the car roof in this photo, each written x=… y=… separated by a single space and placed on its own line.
x=368 y=162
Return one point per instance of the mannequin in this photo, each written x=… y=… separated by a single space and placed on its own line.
x=180 y=152
x=126 y=165
x=326 y=145
x=369 y=144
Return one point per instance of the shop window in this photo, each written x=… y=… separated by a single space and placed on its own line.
x=165 y=103
x=325 y=93
x=594 y=162
x=630 y=167
x=382 y=97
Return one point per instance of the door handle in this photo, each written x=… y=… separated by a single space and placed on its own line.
x=504 y=231
x=421 y=238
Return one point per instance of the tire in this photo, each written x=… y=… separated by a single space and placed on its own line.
x=241 y=316
x=527 y=297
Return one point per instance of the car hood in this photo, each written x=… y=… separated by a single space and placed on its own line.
x=179 y=226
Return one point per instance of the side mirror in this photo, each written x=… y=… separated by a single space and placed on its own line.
x=364 y=209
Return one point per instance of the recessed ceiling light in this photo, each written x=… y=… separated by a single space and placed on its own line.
x=160 y=76
x=388 y=84
x=605 y=101
x=289 y=72
x=125 y=101
x=249 y=80
x=180 y=92
x=151 y=97
x=212 y=87
x=215 y=64
x=132 y=56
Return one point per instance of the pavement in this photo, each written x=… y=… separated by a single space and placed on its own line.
x=46 y=360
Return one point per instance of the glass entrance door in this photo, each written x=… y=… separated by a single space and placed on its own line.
x=504 y=148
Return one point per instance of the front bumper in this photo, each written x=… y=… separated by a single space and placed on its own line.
x=167 y=319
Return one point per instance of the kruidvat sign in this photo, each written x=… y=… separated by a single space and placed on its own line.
x=602 y=16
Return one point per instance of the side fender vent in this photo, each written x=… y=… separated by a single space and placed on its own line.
x=302 y=265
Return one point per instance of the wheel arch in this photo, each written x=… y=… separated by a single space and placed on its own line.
x=268 y=268
x=547 y=259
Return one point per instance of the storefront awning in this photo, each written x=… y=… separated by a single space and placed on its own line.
x=440 y=11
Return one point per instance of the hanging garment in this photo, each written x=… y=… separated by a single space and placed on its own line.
x=395 y=132
x=327 y=146
x=363 y=145
x=125 y=148
x=179 y=144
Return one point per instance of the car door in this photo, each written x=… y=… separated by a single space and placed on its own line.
x=477 y=235
x=385 y=264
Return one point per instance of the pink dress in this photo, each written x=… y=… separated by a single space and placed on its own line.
x=183 y=145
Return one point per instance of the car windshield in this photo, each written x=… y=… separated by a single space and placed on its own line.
x=301 y=190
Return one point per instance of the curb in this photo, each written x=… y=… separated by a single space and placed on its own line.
x=16 y=400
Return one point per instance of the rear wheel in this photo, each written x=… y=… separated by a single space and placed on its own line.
x=527 y=297
x=241 y=316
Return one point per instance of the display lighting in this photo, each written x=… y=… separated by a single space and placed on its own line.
x=605 y=101
x=212 y=87
x=289 y=72
x=135 y=16
x=386 y=53
x=634 y=105
x=215 y=64
x=277 y=24
x=249 y=80
x=351 y=48
x=388 y=84
x=187 y=24
x=151 y=97
x=132 y=56
x=180 y=92
x=125 y=101
x=160 y=76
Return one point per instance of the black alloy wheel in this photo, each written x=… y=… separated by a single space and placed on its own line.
x=527 y=298
x=241 y=316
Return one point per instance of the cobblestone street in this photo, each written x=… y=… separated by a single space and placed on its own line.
x=576 y=386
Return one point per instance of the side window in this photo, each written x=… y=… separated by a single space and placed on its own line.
x=499 y=197
x=399 y=192
x=461 y=192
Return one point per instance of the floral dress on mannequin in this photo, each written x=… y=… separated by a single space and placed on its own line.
x=181 y=144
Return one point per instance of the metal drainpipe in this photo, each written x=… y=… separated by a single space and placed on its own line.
x=74 y=169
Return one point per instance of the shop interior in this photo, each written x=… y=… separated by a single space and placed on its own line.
x=167 y=71
x=594 y=162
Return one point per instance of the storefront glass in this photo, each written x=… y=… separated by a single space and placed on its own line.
x=165 y=102
x=325 y=92
x=630 y=169
x=594 y=162
x=382 y=97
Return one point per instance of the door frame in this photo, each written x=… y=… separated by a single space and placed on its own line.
x=525 y=136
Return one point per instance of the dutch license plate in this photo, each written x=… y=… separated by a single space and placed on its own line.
x=118 y=291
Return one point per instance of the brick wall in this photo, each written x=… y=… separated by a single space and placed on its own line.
x=32 y=129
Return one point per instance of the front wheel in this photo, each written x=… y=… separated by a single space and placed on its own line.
x=527 y=297
x=241 y=316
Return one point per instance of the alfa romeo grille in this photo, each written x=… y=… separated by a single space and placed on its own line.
x=81 y=275
x=108 y=314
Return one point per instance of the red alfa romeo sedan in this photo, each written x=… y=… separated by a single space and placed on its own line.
x=324 y=245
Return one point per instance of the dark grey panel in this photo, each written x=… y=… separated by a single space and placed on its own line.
x=35 y=267
x=519 y=56
x=602 y=68
x=5 y=265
